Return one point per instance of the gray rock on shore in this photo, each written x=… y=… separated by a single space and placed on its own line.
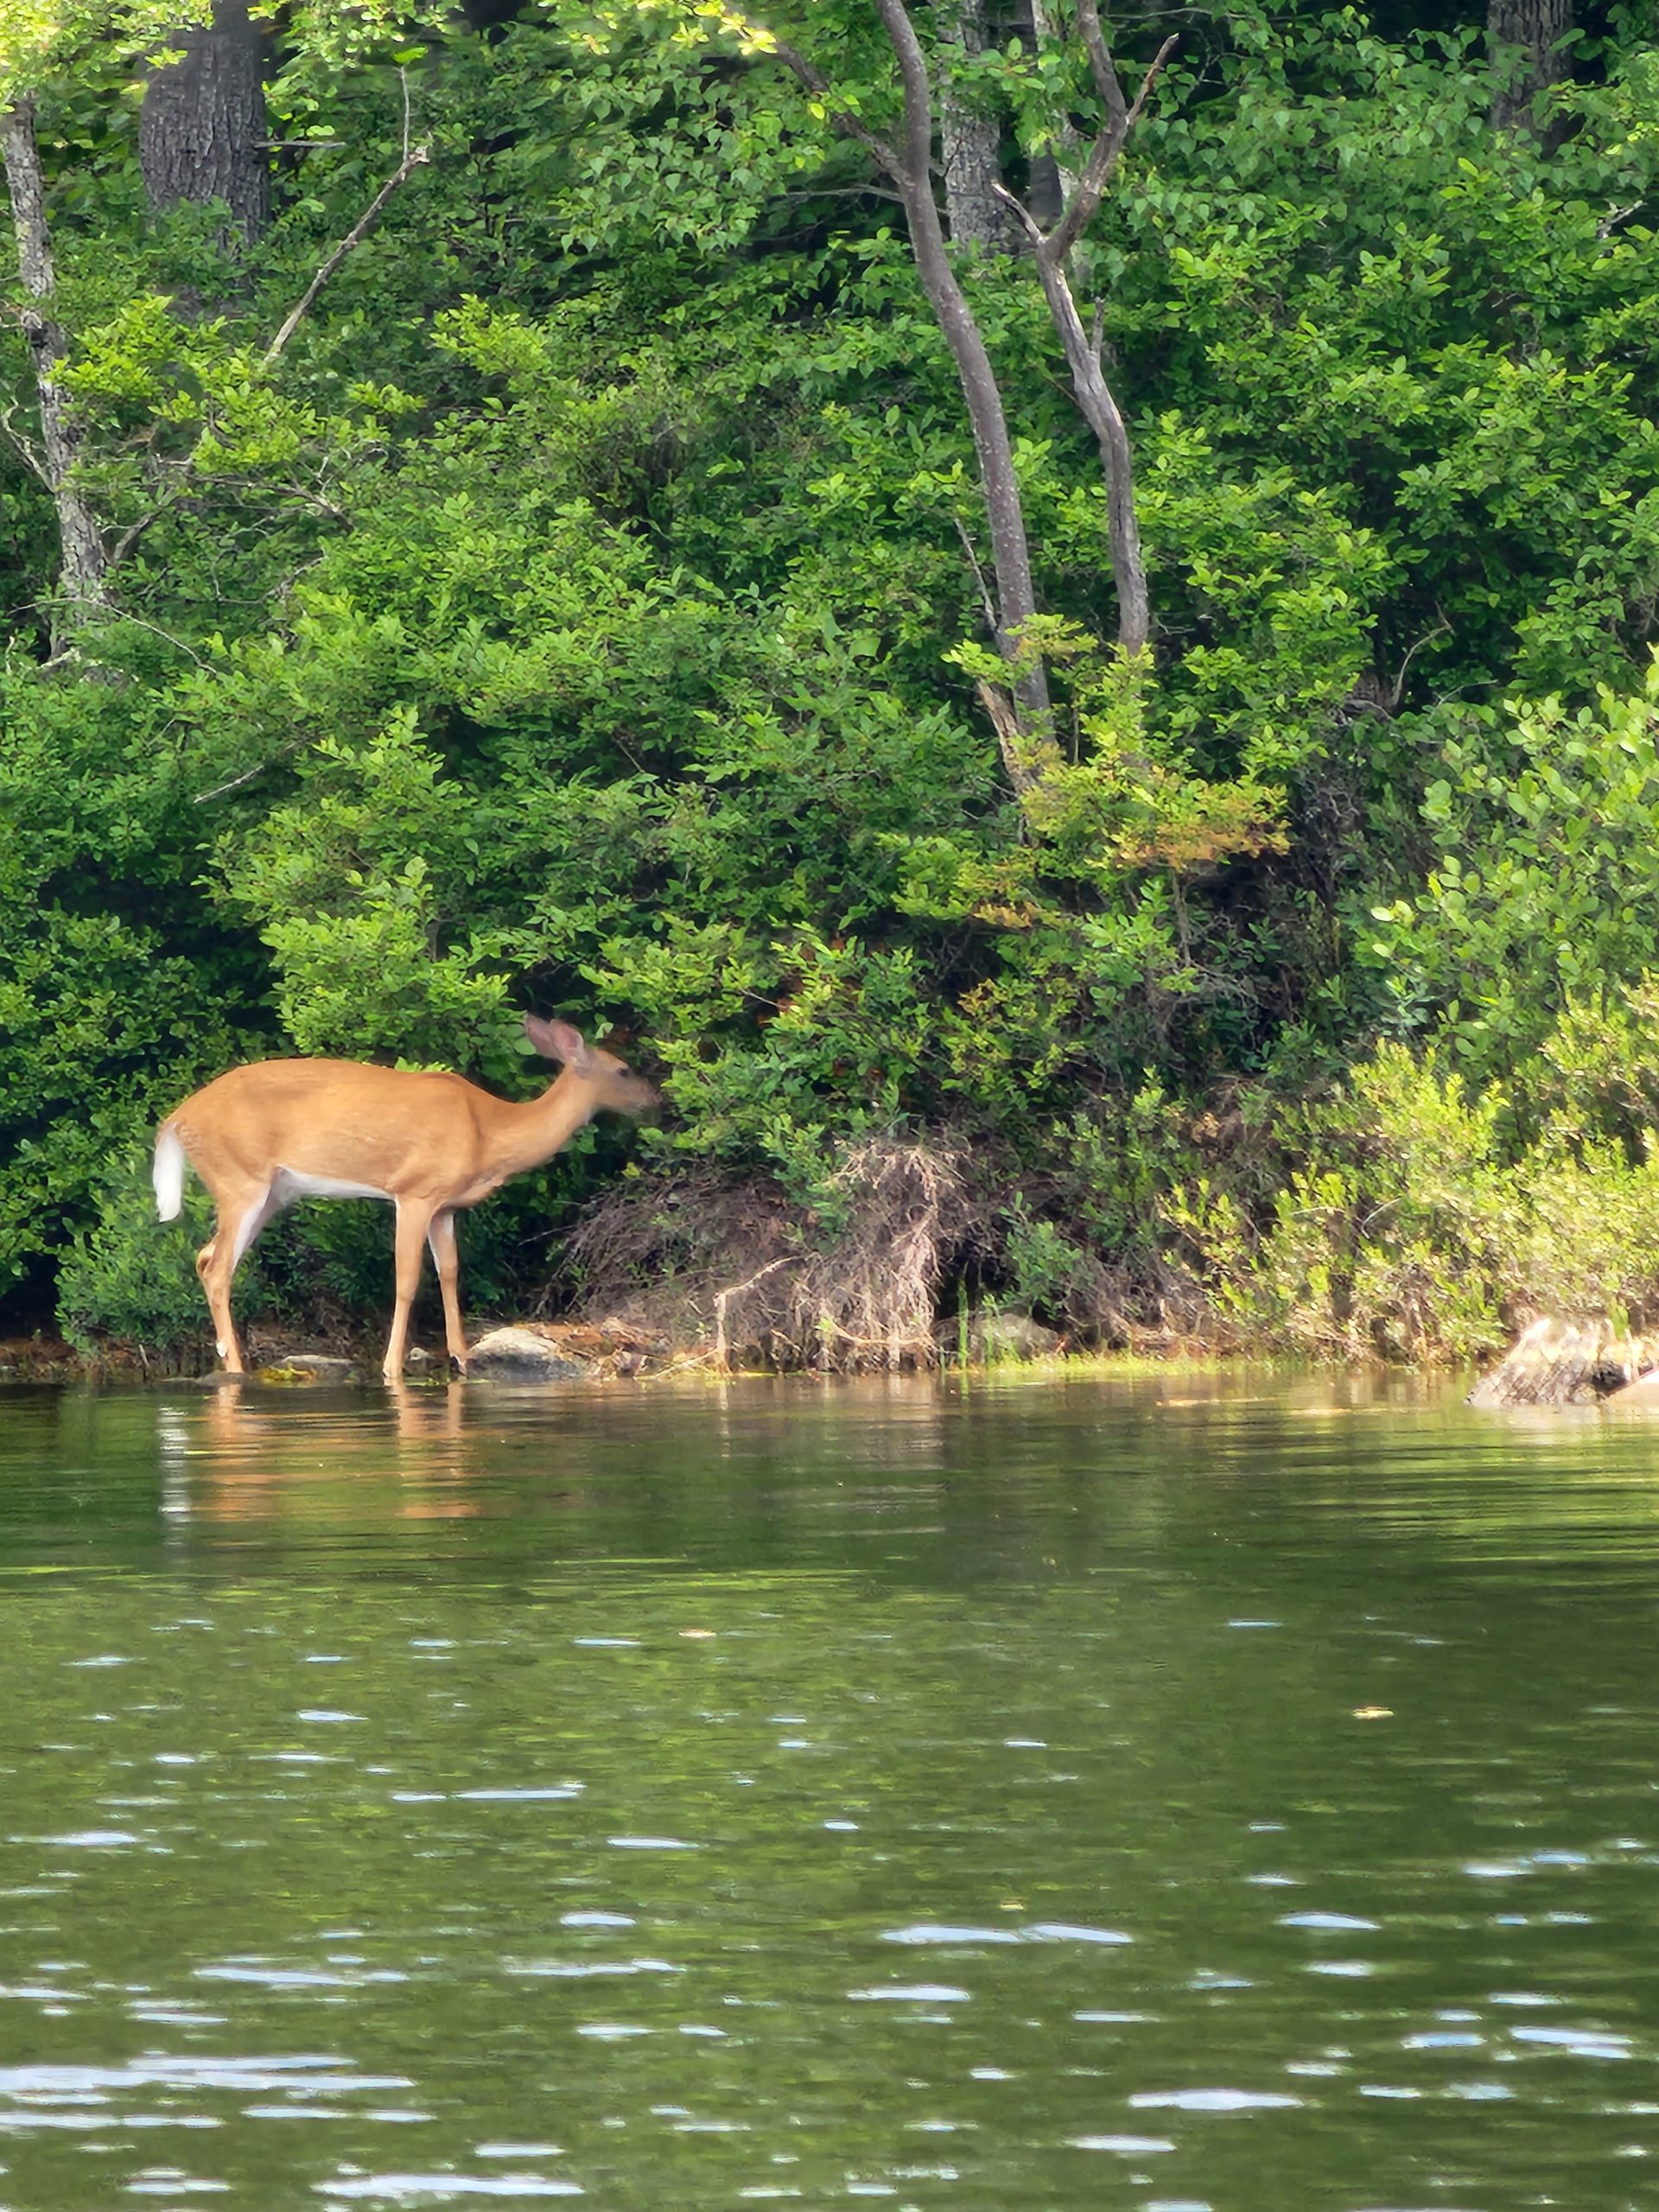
x=524 y=1355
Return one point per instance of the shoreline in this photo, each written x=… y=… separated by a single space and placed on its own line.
x=51 y=1360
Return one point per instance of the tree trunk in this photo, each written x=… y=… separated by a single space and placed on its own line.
x=1016 y=600
x=1022 y=720
x=1105 y=419
x=970 y=141
x=82 y=586
x=201 y=129
x=1523 y=48
x=1053 y=249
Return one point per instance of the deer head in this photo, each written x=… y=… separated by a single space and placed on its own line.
x=615 y=1088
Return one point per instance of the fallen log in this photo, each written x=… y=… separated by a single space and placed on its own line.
x=1560 y=1363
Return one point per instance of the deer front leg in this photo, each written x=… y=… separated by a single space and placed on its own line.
x=441 y=1238
x=414 y=1220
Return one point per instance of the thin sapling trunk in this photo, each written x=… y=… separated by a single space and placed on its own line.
x=1051 y=250
x=912 y=173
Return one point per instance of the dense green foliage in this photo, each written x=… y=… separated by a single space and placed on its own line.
x=582 y=613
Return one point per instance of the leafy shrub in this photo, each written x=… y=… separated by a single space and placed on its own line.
x=1411 y=1227
x=129 y=1278
x=1546 y=884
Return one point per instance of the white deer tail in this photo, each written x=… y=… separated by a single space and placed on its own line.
x=168 y=1172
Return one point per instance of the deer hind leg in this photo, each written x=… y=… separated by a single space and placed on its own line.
x=442 y=1239
x=414 y=1220
x=242 y=1215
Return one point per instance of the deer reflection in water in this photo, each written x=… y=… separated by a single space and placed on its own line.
x=254 y=1453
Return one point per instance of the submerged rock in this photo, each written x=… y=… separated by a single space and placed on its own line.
x=1560 y=1363
x=307 y=1367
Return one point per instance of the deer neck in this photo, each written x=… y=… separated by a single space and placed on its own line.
x=541 y=1127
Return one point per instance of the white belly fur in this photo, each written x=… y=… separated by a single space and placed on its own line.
x=288 y=1184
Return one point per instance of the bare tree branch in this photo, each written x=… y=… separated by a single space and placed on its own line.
x=131 y=536
x=985 y=599
x=912 y=172
x=1010 y=553
x=1026 y=759
x=141 y=622
x=25 y=449
x=418 y=157
x=249 y=775
x=918 y=93
x=1120 y=119
x=1105 y=419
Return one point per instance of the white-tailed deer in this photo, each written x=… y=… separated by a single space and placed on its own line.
x=262 y=1135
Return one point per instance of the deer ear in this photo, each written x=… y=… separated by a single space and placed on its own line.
x=558 y=1040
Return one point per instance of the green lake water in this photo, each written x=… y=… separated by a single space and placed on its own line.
x=1191 y=1794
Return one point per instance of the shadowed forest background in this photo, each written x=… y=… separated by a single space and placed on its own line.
x=590 y=604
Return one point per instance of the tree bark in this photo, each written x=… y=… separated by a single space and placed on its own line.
x=970 y=141
x=1523 y=49
x=203 y=129
x=83 y=588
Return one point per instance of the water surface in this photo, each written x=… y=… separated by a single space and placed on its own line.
x=1175 y=1794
